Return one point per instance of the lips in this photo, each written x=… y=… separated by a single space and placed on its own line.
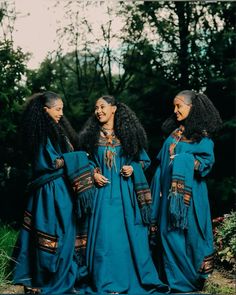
x=100 y=116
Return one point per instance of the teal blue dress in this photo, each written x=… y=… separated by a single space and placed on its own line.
x=183 y=247
x=118 y=255
x=46 y=254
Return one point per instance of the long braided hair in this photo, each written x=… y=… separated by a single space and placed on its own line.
x=127 y=128
x=37 y=125
x=203 y=119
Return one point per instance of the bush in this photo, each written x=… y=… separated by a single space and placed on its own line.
x=225 y=240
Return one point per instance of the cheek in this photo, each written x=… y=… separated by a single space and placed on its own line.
x=186 y=112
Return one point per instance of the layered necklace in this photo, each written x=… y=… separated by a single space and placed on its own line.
x=110 y=151
x=177 y=134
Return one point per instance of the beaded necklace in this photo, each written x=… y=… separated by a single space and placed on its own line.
x=177 y=134
x=110 y=151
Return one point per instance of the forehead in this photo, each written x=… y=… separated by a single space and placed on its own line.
x=179 y=99
x=57 y=103
x=101 y=101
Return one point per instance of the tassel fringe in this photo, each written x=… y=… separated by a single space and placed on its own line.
x=178 y=212
x=85 y=203
x=146 y=214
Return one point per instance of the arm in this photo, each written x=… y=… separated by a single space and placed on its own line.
x=99 y=179
x=204 y=157
x=48 y=159
x=144 y=161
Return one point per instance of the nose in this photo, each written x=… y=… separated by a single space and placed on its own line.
x=175 y=109
x=61 y=112
x=98 y=111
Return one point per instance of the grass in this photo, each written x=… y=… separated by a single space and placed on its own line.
x=7 y=241
x=221 y=282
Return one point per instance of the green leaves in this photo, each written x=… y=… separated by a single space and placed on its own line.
x=225 y=241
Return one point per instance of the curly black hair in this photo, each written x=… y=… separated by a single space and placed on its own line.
x=203 y=119
x=37 y=126
x=127 y=128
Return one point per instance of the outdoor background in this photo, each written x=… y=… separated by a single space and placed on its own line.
x=142 y=52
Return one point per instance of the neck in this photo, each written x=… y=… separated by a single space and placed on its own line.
x=108 y=126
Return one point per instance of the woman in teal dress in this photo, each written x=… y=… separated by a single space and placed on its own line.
x=182 y=239
x=48 y=256
x=118 y=254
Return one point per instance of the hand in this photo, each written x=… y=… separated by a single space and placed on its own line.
x=126 y=171
x=100 y=180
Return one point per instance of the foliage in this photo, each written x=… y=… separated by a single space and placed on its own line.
x=225 y=240
x=12 y=89
x=160 y=48
x=8 y=238
x=216 y=287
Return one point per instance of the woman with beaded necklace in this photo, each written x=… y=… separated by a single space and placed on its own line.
x=181 y=214
x=118 y=254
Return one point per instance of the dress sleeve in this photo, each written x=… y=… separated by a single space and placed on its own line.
x=144 y=159
x=204 y=157
x=48 y=158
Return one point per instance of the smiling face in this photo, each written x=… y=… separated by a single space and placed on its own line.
x=55 y=110
x=181 y=108
x=104 y=111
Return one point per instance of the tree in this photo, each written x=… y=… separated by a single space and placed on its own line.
x=12 y=92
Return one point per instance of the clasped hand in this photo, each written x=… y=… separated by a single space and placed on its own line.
x=126 y=171
x=101 y=180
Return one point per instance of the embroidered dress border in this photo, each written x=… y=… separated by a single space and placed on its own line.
x=46 y=242
x=103 y=141
x=179 y=186
x=207 y=264
x=83 y=182
x=80 y=242
x=27 y=221
x=144 y=197
x=176 y=135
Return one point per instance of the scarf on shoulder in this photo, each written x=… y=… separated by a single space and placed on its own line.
x=79 y=173
x=180 y=191
x=75 y=167
x=143 y=192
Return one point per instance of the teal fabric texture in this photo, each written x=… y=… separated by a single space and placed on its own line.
x=45 y=255
x=118 y=253
x=183 y=246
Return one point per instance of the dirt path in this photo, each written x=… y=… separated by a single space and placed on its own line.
x=10 y=289
x=219 y=283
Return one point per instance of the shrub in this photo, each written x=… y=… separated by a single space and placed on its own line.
x=225 y=241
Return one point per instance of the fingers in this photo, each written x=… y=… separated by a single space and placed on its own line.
x=126 y=171
x=100 y=179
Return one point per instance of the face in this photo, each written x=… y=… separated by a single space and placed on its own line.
x=181 y=109
x=104 y=111
x=55 y=111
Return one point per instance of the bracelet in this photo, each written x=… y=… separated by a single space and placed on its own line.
x=97 y=170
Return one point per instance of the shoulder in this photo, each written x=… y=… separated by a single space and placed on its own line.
x=206 y=143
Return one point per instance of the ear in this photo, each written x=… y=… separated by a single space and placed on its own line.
x=114 y=108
